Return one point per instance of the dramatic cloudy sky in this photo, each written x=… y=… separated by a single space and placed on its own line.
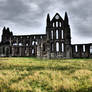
x=29 y=16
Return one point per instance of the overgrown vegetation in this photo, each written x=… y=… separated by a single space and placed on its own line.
x=35 y=75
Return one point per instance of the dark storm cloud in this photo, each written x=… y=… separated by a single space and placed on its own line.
x=31 y=13
x=26 y=13
x=13 y=11
x=80 y=13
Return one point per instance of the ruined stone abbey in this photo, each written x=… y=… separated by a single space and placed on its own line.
x=56 y=43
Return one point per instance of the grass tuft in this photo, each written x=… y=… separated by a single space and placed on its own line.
x=36 y=75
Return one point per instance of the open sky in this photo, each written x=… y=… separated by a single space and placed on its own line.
x=29 y=16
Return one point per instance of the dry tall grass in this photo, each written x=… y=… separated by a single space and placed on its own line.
x=35 y=75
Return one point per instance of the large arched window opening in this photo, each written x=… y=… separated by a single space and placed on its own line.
x=33 y=42
x=57 y=46
x=20 y=44
x=52 y=34
x=84 y=49
x=57 y=17
x=60 y=24
x=76 y=48
x=90 y=49
x=15 y=44
x=56 y=34
x=41 y=37
x=53 y=24
x=27 y=44
x=62 y=34
x=36 y=42
x=33 y=51
x=34 y=37
x=62 y=47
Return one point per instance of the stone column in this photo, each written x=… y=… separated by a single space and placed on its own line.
x=48 y=50
x=20 y=51
x=38 y=51
x=12 y=51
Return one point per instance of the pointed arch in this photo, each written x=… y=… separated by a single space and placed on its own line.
x=57 y=46
x=62 y=34
x=91 y=49
x=84 y=48
x=62 y=47
x=52 y=33
x=53 y=24
x=60 y=24
x=56 y=34
x=76 y=48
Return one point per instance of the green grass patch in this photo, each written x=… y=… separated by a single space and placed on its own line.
x=39 y=75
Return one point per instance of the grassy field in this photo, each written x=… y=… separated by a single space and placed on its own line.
x=35 y=75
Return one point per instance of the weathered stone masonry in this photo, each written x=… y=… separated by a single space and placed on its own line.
x=56 y=43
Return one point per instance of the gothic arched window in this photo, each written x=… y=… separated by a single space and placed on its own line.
x=76 y=48
x=41 y=37
x=62 y=47
x=33 y=42
x=62 y=34
x=84 y=49
x=57 y=46
x=20 y=44
x=52 y=34
x=57 y=17
x=56 y=34
x=53 y=24
x=90 y=49
x=26 y=44
x=60 y=24
x=32 y=51
x=34 y=37
x=15 y=44
x=36 y=42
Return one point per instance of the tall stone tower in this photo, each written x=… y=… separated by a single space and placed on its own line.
x=6 y=34
x=58 y=37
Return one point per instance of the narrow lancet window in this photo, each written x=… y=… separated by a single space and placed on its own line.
x=62 y=47
x=57 y=46
x=90 y=49
x=62 y=34
x=76 y=48
x=53 y=24
x=84 y=49
x=52 y=34
x=33 y=42
x=36 y=42
x=20 y=44
x=32 y=51
x=56 y=34
x=56 y=24
x=59 y=24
